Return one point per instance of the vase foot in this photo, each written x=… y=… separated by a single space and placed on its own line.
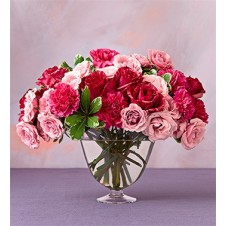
x=116 y=197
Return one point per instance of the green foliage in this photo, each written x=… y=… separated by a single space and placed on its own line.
x=78 y=59
x=65 y=65
x=85 y=99
x=92 y=122
x=95 y=105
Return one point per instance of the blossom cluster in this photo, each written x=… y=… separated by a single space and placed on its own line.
x=143 y=94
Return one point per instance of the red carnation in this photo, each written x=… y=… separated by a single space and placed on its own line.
x=195 y=87
x=177 y=81
x=123 y=78
x=146 y=96
x=111 y=108
x=103 y=57
x=200 y=111
x=51 y=76
x=64 y=100
x=184 y=103
x=96 y=82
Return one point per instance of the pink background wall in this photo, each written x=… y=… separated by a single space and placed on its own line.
x=44 y=33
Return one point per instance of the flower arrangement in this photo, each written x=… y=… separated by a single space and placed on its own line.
x=117 y=94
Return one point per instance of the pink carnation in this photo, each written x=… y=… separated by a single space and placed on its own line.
x=184 y=103
x=28 y=134
x=127 y=61
x=181 y=127
x=44 y=105
x=83 y=69
x=30 y=106
x=194 y=134
x=172 y=108
x=51 y=76
x=160 y=59
x=103 y=57
x=160 y=126
x=64 y=100
x=109 y=71
x=51 y=126
x=134 y=118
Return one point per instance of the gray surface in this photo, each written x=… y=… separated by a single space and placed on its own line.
x=66 y=197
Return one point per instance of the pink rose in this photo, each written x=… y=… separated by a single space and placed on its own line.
x=172 y=108
x=64 y=100
x=51 y=126
x=160 y=126
x=194 y=134
x=160 y=59
x=30 y=106
x=134 y=118
x=28 y=134
x=41 y=133
x=44 y=105
x=72 y=78
x=109 y=71
x=181 y=127
x=142 y=59
x=127 y=61
x=103 y=57
x=158 y=82
x=83 y=69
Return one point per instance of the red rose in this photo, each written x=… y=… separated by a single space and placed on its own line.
x=110 y=111
x=184 y=103
x=63 y=100
x=123 y=78
x=200 y=111
x=96 y=82
x=178 y=79
x=103 y=57
x=51 y=76
x=146 y=96
x=195 y=87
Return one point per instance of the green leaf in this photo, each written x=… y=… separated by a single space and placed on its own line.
x=101 y=125
x=78 y=59
x=153 y=72
x=95 y=105
x=167 y=77
x=85 y=99
x=66 y=66
x=73 y=120
x=60 y=140
x=88 y=59
x=77 y=131
x=92 y=122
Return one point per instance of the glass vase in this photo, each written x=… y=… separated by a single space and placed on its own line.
x=116 y=163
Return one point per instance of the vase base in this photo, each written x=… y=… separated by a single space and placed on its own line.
x=116 y=198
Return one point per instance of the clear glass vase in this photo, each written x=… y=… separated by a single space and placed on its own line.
x=116 y=164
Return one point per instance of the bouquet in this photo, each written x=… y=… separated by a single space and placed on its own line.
x=112 y=95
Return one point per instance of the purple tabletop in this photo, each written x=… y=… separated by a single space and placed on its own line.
x=67 y=197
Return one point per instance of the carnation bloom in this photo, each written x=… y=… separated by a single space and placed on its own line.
x=51 y=76
x=171 y=107
x=184 y=103
x=110 y=112
x=96 y=82
x=134 y=118
x=28 y=134
x=200 y=111
x=83 y=69
x=41 y=133
x=51 y=126
x=194 y=134
x=158 y=82
x=160 y=126
x=64 y=100
x=109 y=71
x=44 y=106
x=178 y=79
x=103 y=57
x=30 y=106
x=127 y=61
x=181 y=127
x=160 y=59
x=195 y=87
x=146 y=96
